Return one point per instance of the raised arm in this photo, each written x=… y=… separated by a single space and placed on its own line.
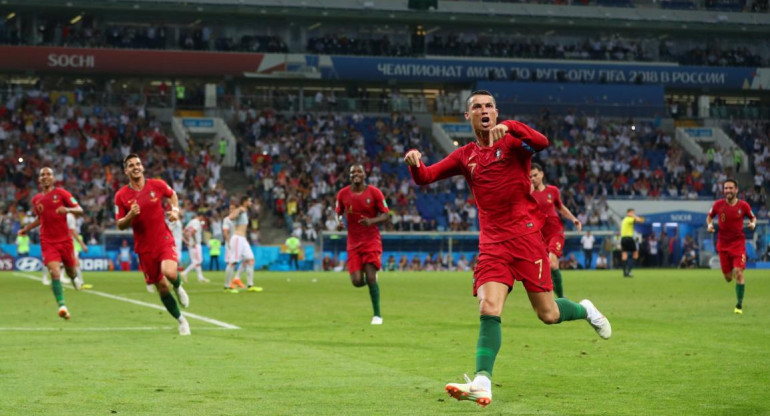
x=531 y=138
x=423 y=175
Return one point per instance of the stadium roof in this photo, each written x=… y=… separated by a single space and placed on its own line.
x=455 y=13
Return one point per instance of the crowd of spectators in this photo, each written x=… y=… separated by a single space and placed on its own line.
x=350 y=41
x=85 y=151
x=754 y=138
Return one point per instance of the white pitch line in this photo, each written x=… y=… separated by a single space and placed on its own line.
x=140 y=303
x=137 y=328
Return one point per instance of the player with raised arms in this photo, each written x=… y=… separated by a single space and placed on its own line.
x=496 y=167
x=139 y=205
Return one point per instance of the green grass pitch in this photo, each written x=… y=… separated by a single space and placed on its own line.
x=305 y=347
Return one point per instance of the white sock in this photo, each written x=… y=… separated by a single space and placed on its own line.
x=228 y=275
x=199 y=271
x=239 y=271
x=250 y=275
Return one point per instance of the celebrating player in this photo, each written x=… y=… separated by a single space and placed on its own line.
x=51 y=206
x=239 y=249
x=365 y=207
x=731 y=242
x=139 y=205
x=193 y=234
x=548 y=199
x=497 y=168
x=627 y=242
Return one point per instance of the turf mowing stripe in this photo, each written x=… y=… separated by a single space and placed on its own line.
x=138 y=328
x=140 y=303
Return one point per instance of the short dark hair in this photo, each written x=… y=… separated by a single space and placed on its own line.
x=129 y=157
x=537 y=167
x=630 y=210
x=730 y=180
x=478 y=92
x=243 y=199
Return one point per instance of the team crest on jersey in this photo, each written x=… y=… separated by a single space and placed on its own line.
x=550 y=198
x=498 y=154
x=740 y=211
x=152 y=196
x=368 y=201
x=56 y=198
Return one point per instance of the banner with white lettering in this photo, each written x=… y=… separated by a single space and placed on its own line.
x=6 y=262
x=129 y=61
x=100 y=264
x=464 y=70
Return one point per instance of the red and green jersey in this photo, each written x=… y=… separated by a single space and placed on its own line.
x=355 y=206
x=730 y=234
x=53 y=226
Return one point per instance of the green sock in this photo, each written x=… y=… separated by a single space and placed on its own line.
x=569 y=310
x=557 y=286
x=170 y=303
x=176 y=282
x=740 y=289
x=490 y=338
x=58 y=292
x=374 y=293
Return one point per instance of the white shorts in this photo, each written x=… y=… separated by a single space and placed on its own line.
x=238 y=250
x=196 y=254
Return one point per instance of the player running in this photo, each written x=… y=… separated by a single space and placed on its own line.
x=548 y=199
x=731 y=241
x=139 y=205
x=496 y=167
x=364 y=207
x=51 y=206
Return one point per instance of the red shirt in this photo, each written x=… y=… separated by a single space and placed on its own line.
x=549 y=201
x=730 y=235
x=498 y=176
x=53 y=226
x=150 y=229
x=367 y=204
